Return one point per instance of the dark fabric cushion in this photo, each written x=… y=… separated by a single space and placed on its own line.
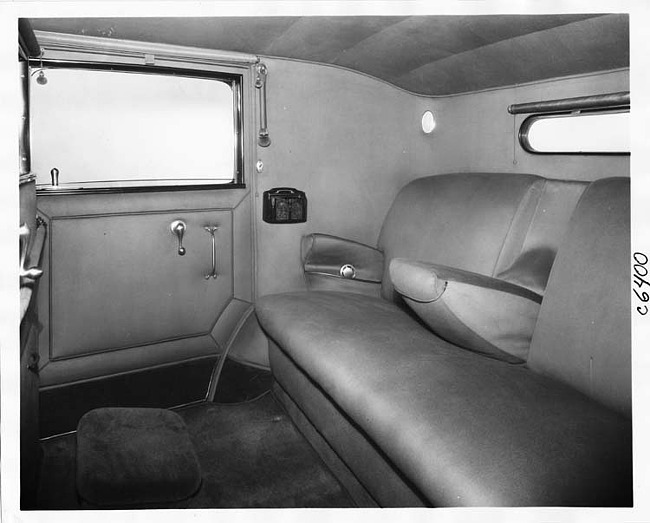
x=475 y=312
x=135 y=457
x=463 y=428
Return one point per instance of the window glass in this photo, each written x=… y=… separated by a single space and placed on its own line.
x=603 y=132
x=117 y=129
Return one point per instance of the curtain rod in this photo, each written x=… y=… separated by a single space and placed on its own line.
x=620 y=99
x=67 y=42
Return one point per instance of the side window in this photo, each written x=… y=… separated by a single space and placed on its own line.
x=96 y=128
x=578 y=132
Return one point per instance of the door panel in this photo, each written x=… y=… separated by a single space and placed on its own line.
x=125 y=285
x=119 y=298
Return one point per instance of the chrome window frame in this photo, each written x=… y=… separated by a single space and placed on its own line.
x=528 y=122
x=235 y=80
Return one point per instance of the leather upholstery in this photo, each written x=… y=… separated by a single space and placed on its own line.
x=325 y=254
x=530 y=248
x=583 y=336
x=464 y=429
x=458 y=220
x=461 y=428
x=382 y=479
x=475 y=312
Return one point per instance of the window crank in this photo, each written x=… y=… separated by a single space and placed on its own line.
x=211 y=230
x=178 y=228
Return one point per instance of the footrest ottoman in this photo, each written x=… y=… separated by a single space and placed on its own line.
x=135 y=457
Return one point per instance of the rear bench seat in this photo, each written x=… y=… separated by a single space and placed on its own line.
x=417 y=420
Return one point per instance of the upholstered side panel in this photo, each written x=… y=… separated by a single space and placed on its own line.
x=460 y=220
x=583 y=334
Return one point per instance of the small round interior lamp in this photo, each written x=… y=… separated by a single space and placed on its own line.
x=41 y=79
x=428 y=122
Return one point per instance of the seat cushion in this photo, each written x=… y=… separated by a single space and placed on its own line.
x=135 y=457
x=476 y=312
x=463 y=428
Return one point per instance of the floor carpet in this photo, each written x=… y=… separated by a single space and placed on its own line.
x=239 y=382
x=162 y=387
x=250 y=453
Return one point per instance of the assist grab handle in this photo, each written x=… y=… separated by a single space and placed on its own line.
x=263 y=139
x=211 y=230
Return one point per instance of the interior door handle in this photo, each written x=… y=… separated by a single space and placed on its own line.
x=211 y=230
x=178 y=228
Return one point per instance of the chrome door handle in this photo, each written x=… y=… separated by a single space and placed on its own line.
x=211 y=230
x=178 y=228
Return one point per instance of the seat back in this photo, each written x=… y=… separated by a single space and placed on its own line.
x=583 y=332
x=460 y=220
x=529 y=251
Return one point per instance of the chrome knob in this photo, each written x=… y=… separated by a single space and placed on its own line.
x=347 y=271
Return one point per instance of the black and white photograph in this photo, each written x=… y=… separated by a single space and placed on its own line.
x=325 y=260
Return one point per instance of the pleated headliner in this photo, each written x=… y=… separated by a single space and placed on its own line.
x=430 y=55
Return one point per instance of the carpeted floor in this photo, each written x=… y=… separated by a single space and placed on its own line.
x=61 y=408
x=239 y=382
x=250 y=453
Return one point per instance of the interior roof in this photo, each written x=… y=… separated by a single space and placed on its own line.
x=431 y=55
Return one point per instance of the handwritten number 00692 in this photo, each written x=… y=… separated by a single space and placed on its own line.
x=640 y=273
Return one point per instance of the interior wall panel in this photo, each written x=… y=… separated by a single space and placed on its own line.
x=350 y=142
x=112 y=363
x=475 y=132
x=243 y=250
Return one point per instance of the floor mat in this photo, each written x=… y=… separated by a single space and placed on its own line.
x=251 y=455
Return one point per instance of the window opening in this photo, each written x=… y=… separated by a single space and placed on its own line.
x=110 y=127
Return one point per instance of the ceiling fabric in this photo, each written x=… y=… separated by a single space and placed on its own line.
x=431 y=55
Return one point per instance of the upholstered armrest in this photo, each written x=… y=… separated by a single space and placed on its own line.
x=336 y=264
x=473 y=311
x=334 y=256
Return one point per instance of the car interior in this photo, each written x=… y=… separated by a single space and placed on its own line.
x=326 y=261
